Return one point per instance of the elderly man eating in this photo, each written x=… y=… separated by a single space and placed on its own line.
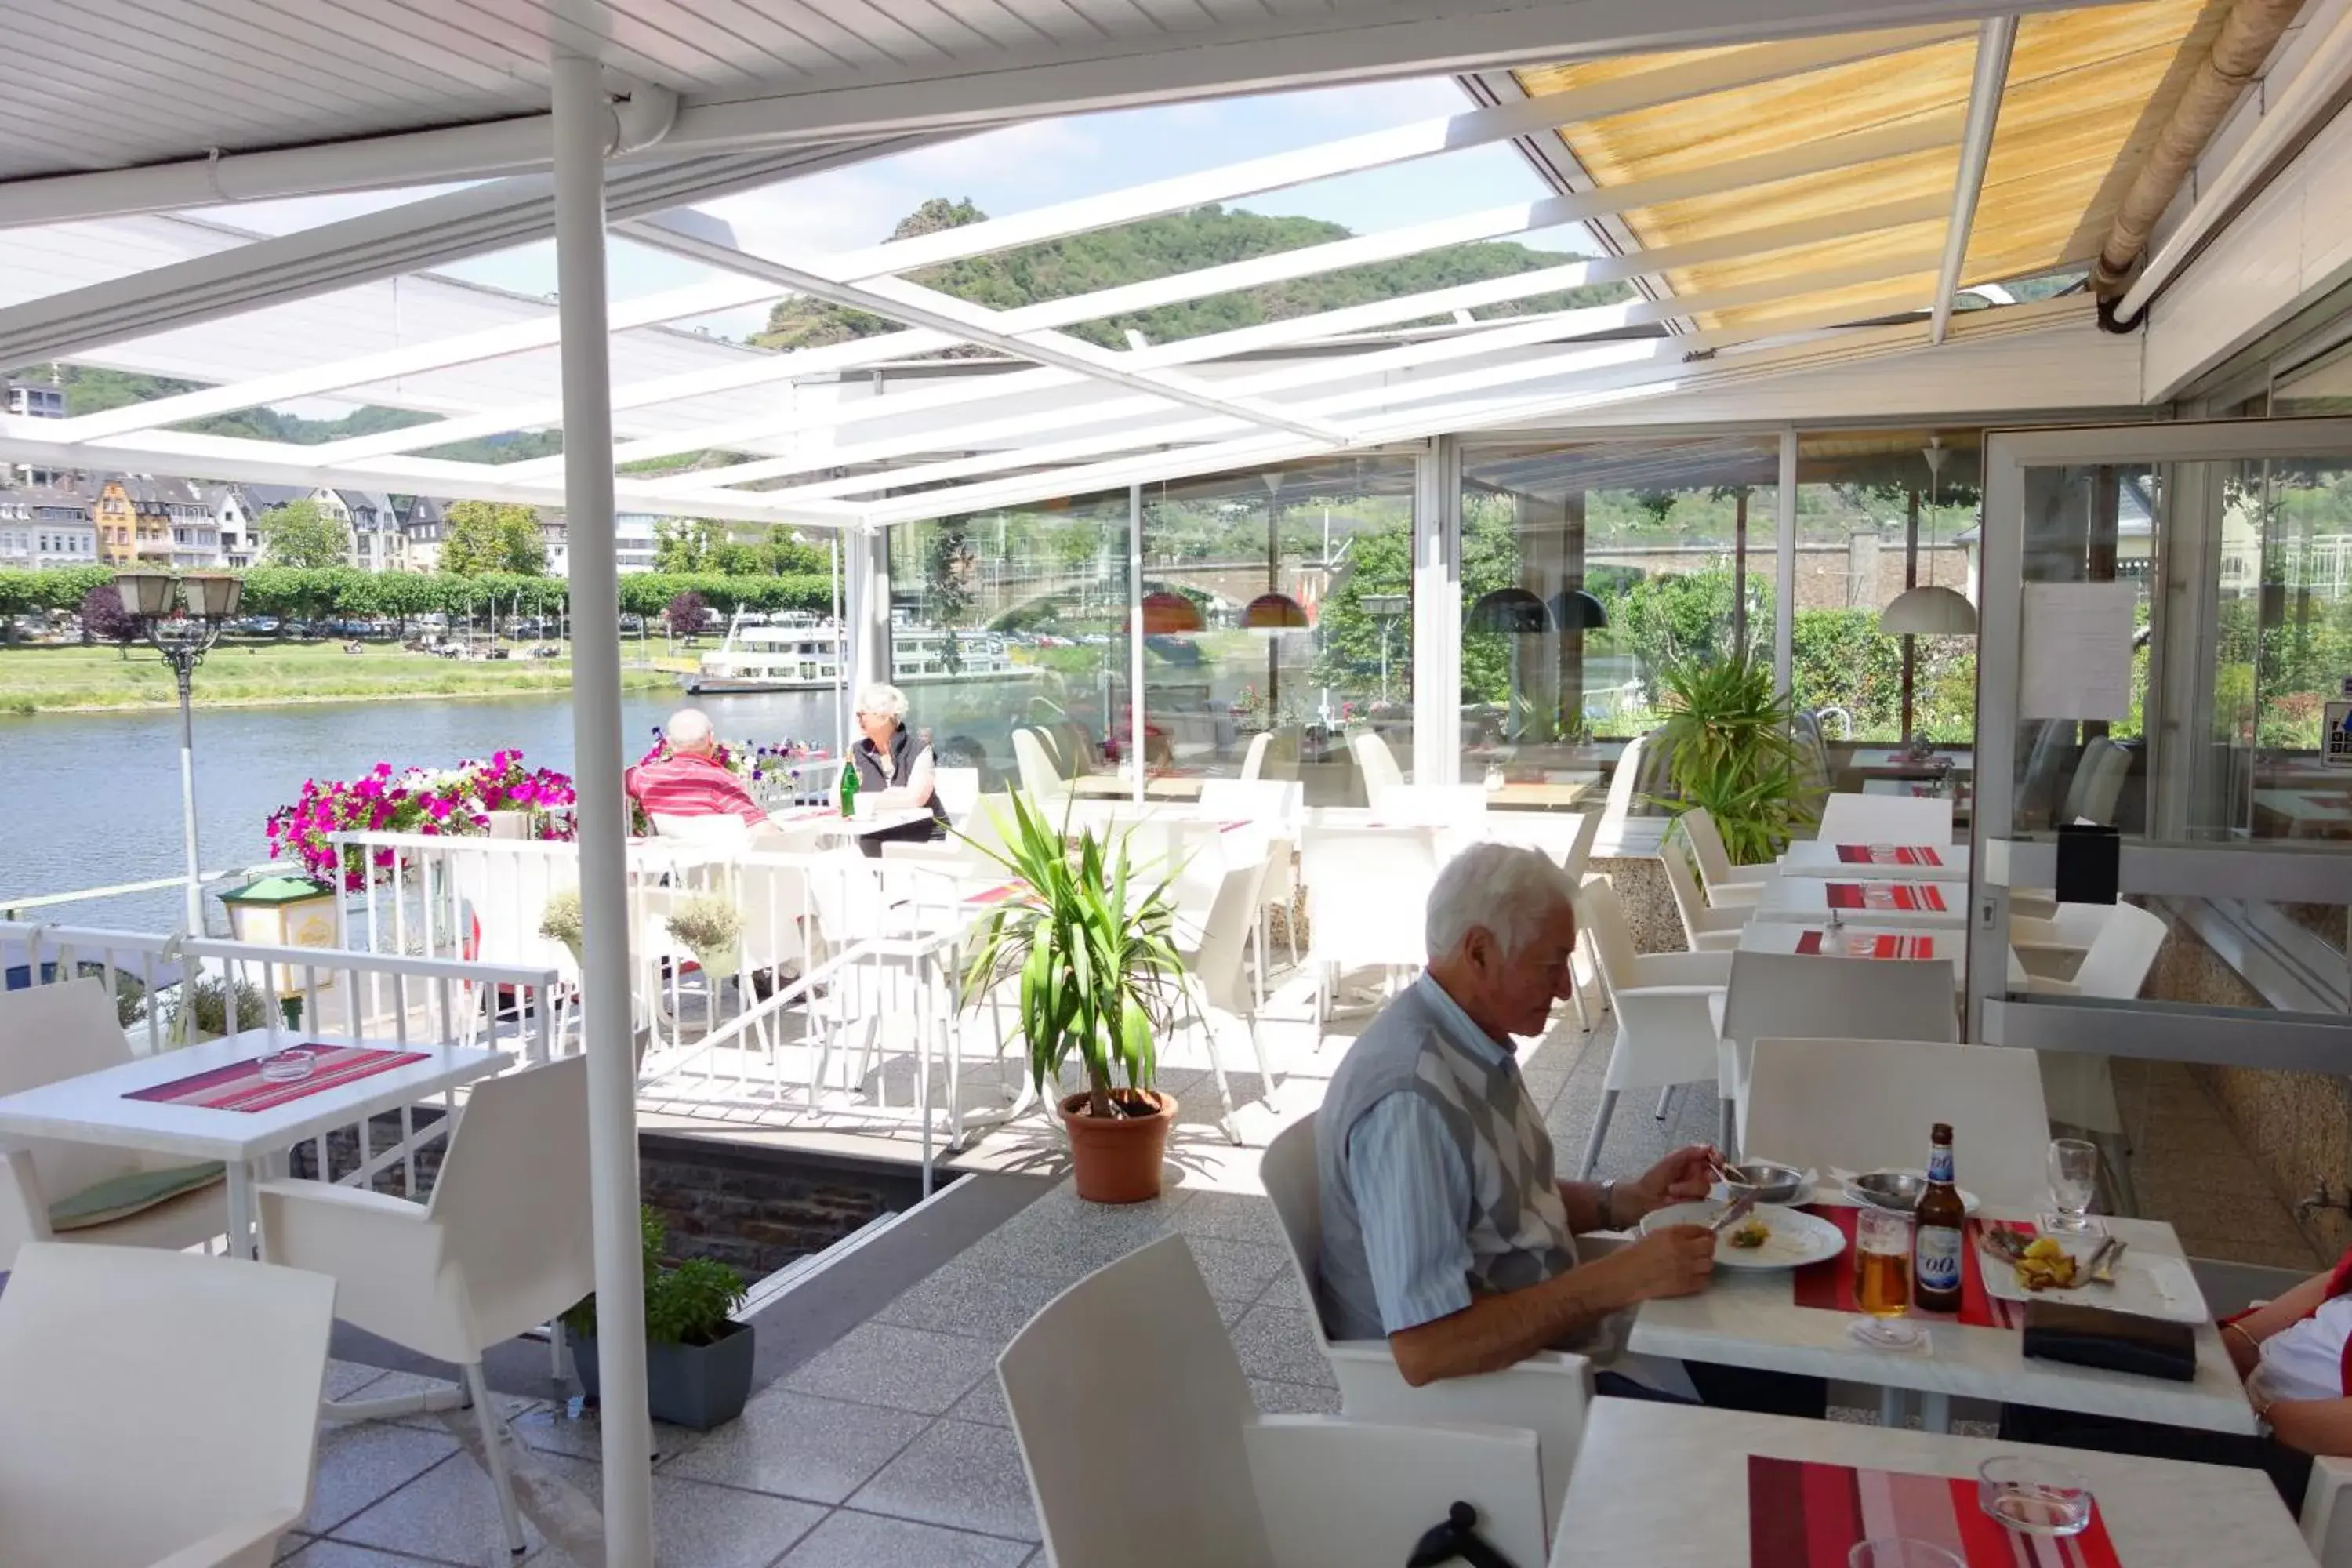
x=1445 y=1228
x=691 y=781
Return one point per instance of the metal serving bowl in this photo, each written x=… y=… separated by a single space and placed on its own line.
x=1763 y=1181
x=1898 y=1191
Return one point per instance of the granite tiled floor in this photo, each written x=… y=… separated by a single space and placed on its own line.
x=892 y=1447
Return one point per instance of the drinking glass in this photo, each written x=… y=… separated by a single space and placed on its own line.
x=2073 y=1182
x=1900 y=1552
x=2034 y=1497
x=1881 y=1262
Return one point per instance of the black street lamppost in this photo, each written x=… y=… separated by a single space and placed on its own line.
x=183 y=640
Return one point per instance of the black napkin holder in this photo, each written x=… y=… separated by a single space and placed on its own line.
x=2090 y=863
x=2116 y=1341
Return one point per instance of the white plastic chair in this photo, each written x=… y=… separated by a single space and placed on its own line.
x=1567 y=836
x=1459 y=809
x=1275 y=805
x=1226 y=1486
x=2053 y=946
x=1706 y=930
x=2326 y=1516
x=2117 y=959
x=1725 y=884
x=957 y=789
x=1253 y=758
x=1812 y=997
x=1041 y=780
x=1215 y=978
x=1376 y=764
x=1366 y=893
x=162 y=1409
x=1618 y=802
x=59 y=1031
x=1665 y=1022
x=2079 y=1087
x=2099 y=784
x=502 y=1246
x=1885 y=819
x=1545 y=1393
x=714 y=830
x=1868 y=1104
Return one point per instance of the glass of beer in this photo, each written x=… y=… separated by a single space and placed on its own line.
x=1881 y=1262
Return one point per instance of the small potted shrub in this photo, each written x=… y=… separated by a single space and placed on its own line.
x=712 y=930
x=561 y=921
x=1091 y=943
x=697 y=1357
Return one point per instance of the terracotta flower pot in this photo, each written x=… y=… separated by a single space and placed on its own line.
x=1117 y=1159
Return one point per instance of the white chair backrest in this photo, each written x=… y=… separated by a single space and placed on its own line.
x=1254 y=760
x=1461 y=807
x=1039 y=777
x=48 y=1033
x=1220 y=964
x=1367 y=890
x=2098 y=783
x=1689 y=902
x=1706 y=844
x=1601 y=917
x=716 y=830
x=512 y=1197
x=501 y=897
x=1375 y=764
x=984 y=828
x=1621 y=784
x=2037 y=797
x=130 y=1432
x=1886 y=819
x=2120 y=956
x=1807 y=996
x=1273 y=802
x=1093 y=1418
x=1340 y=1493
x=844 y=890
x=772 y=897
x=1868 y=1104
x=957 y=789
x=1292 y=1181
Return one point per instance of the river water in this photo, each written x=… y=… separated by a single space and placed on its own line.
x=90 y=800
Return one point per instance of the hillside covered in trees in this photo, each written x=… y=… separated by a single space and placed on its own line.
x=1180 y=242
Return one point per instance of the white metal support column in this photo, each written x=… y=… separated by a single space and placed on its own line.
x=1784 y=567
x=1134 y=637
x=1437 y=613
x=581 y=120
x=866 y=635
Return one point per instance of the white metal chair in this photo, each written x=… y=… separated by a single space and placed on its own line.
x=1866 y=1104
x=1253 y=758
x=502 y=1246
x=1665 y=1020
x=1886 y=819
x=1367 y=891
x=1813 y=997
x=60 y=1031
x=1545 y=1393
x=1706 y=930
x=162 y=1409
x=1228 y=1487
x=1725 y=884
x=1375 y=765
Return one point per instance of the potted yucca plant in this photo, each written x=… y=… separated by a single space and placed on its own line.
x=1726 y=737
x=1091 y=941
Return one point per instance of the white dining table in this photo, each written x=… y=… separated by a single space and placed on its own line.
x=1948 y=943
x=1806 y=900
x=828 y=822
x=1666 y=1485
x=93 y=1108
x=1750 y=1317
x=1810 y=857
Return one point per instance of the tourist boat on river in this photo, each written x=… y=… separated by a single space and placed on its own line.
x=800 y=652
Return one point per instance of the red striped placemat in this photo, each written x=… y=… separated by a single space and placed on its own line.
x=1889 y=855
x=1805 y=1514
x=996 y=895
x=240 y=1086
x=1885 y=896
x=1829 y=1284
x=1883 y=946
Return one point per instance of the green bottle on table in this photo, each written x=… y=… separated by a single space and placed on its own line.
x=849 y=786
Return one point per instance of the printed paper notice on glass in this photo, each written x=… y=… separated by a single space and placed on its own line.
x=2076 y=661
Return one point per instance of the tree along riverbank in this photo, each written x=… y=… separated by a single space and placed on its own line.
x=48 y=678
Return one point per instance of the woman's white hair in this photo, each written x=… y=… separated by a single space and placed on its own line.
x=882 y=697
x=1507 y=889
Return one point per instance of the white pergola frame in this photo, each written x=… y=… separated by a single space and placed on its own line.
x=1060 y=414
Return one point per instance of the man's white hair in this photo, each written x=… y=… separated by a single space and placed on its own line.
x=1507 y=889
x=882 y=697
x=688 y=730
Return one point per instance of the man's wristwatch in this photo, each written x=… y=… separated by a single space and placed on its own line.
x=1609 y=1205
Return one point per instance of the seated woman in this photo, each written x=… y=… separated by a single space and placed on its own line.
x=894 y=770
x=2292 y=1354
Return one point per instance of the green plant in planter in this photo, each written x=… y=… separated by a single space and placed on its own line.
x=1091 y=941
x=562 y=919
x=711 y=927
x=1727 y=736
x=687 y=1303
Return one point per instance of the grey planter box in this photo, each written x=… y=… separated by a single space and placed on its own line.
x=697 y=1386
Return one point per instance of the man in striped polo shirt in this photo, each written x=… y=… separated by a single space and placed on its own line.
x=691 y=781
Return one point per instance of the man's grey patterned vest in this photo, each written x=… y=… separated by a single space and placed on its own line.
x=1517 y=1226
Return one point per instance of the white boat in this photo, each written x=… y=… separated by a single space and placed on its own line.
x=799 y=652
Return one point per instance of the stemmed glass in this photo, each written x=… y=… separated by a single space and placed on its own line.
x=2074 y=1184
x=1900 y=1552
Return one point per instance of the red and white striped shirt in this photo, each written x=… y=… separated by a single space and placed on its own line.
x=2311 y=1358
x=688 y=784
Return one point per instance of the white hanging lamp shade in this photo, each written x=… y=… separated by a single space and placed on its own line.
x=1930 y=611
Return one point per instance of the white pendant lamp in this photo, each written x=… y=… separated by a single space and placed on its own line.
x=1928 y=610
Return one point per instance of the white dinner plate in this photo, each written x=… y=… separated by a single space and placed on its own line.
x=2148 y=1285
x=1797 y=1238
